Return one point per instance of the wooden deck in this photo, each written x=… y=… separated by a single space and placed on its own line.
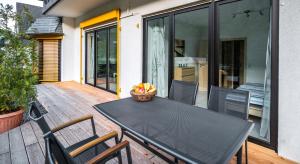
x=68 y=100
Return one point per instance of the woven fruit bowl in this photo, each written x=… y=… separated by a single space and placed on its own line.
x=143 y=92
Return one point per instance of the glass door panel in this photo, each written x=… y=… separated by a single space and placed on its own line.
x=101 y=67
x=90 y=58
x=158 y=54
x=244 y=57
x=112 y=60
x=191 y=50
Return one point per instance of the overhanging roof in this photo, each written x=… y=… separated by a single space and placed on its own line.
x=71 y=8
x=46 y=25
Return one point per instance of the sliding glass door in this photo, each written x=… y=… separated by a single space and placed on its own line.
x=244 y=56
x=226 y=43
x=191 y=50
x=178 y=43
x=101 y=58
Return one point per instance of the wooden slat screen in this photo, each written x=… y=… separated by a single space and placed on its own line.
x=49 y=61
x=40 y=53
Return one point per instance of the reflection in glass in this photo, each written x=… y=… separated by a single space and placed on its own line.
x=245 y=57
x=191 y=50
x=112 y=59
x=101 y=43
x=90 y=58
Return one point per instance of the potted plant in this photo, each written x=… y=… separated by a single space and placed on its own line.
x=17 y=70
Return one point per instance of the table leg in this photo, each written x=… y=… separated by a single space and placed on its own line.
x=176 y=160
x=239 y=156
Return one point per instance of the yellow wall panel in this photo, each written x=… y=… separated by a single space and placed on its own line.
x=50 y=61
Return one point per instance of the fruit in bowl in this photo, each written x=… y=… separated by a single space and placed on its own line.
x=143 y=92
x=143 y=88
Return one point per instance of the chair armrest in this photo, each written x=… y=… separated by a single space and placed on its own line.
x=72 y=122
x=109 y=152
x=90 y=144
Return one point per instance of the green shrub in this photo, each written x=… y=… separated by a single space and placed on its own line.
x=18 y=63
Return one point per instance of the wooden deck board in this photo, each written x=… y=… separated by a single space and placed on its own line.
x=35 y=154
x=72 y=132
x=17 y=148
x=33 y=148
x=68 y=100
x=39 y=135
x=29 y=136
x=5 y=158
x=4 y=144
x=58 y=115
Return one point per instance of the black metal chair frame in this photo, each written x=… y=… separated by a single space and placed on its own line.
x=111 y=152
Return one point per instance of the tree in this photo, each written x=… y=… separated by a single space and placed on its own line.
x=18 y=62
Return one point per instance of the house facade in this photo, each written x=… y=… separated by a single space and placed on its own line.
x=240 y=44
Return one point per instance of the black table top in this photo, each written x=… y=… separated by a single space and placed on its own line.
x=193 y=134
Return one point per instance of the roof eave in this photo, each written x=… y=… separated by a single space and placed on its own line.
x=34 y=35
x=49 y=6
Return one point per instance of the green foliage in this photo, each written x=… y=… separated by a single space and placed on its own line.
x=18 y=61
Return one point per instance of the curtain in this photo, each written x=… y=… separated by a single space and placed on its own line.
x=90 y=47
x=157 y=71
x=265 y=122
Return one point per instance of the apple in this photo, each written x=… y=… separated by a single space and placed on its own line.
x=141 y=90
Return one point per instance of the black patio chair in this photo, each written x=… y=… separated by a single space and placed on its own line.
x=182 y=91
x=91 y=150
x=232 y=102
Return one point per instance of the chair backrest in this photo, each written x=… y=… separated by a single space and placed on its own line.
x=55 y=152
x=36 y=115
x=184 y=92
x=230 y=101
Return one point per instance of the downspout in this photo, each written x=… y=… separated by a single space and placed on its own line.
x=81 y=78
x=118 y=54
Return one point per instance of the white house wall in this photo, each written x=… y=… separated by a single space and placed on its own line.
x=76 y=52
x=289 y=80
x=68 y=63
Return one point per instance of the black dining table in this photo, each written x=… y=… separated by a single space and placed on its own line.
x=188 y=133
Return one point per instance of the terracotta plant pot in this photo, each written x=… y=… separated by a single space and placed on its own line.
x=10 y=120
